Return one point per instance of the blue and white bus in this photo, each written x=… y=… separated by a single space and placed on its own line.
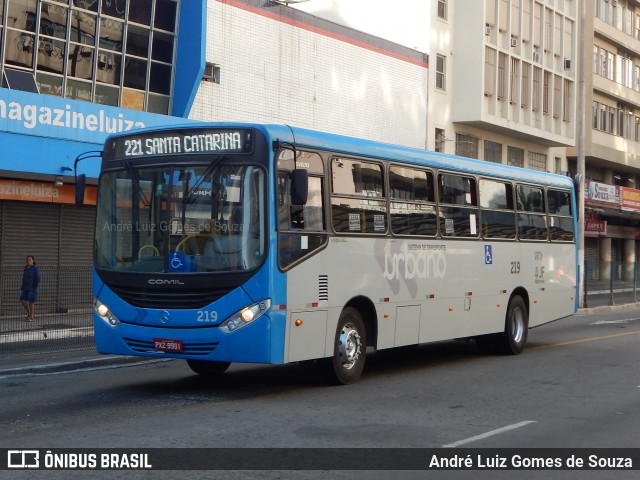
x=219 y=243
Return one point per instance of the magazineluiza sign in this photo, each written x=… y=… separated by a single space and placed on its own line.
x=47 y=116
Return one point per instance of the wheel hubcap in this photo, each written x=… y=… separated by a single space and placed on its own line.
x=517 y=325
x=349 y=346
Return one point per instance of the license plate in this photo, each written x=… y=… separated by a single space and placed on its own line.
x=167 y=345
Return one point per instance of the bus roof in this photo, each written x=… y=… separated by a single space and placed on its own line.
x=345 y=145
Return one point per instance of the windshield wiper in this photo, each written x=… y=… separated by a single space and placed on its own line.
x=212 y=165
x=133 y=173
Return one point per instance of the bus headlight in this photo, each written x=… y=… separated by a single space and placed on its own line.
x=245 y=316
x=105 y=314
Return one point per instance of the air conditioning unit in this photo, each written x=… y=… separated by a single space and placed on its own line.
x=567 y=64
x=211 y=73
x=514 y=42
x=536 y=57
x=487 y=30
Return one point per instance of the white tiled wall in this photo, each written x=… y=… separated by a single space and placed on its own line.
x=274 y=72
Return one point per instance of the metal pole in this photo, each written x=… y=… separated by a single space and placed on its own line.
x=581 y=64
x=635 y=273
x=585 y=304
x=611 y=276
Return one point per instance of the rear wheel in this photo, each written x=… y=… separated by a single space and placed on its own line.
x=349 y=350
x=516 y=328
x=204 y=367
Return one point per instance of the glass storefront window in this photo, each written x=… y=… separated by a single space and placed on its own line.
x=114 y=8
x=106 y=95
x=23 y=14
x=49 y=84
x=137 y=41
x=86 y=4
x=51 y=55
x=160 y=78
x=165 y=15
x=162 y=49
x=135 y=73
x=54 y=20
x=80 y=64
x=111 y=32
x=78 y=90
x=140 y=12
x=109 y=64
x=19 y=48
x=83 y=27
x=69 y=48
x=132 y=99
x=157 y=104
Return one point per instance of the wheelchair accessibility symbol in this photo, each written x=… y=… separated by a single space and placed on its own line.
x=176 y=262
x=488 y=255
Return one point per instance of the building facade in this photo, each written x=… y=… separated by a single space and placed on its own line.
x=612 y=138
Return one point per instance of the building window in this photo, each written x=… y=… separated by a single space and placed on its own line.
x=546 y=87
x=535 y=99
x=440 y=139
x=538 y=161
x=442 y=9
x=502 y=74
x=492 y=151
x=466 y=145
x=515 y=157
x=515 y=80
x=566 y=100
x=489 y=71
x=525 y=92
x=441 y=65
x=118 y=53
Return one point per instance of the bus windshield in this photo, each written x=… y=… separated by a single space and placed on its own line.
x=181 y=218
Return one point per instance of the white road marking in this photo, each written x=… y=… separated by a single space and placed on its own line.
x=490 y=434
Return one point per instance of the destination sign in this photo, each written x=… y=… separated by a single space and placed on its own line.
x=179 y=142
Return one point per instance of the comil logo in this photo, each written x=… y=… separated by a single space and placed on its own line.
x=23 y=459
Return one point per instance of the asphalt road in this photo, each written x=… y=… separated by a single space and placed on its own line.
x=575 y=386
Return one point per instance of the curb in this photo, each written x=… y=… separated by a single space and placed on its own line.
x=83 y=364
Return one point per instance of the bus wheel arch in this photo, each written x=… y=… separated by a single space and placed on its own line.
x=352 y=335
x=512 y=339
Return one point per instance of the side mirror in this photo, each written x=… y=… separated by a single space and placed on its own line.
x=80 y=187
x=299 y=186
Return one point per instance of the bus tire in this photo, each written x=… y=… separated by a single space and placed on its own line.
x=349 y=349
x=207 y=368
x=516 y=327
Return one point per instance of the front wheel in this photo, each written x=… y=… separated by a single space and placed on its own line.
x=206 y=368
x=349 y=349
x=516 y=328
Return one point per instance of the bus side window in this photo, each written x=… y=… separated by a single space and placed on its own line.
x=460 y=217
x=560 y=219
x=413 y=209
x=532 y=221
x=357 y=196
x=498 y=216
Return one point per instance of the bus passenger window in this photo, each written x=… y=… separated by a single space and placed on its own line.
x=498 y=216
x=532 y=221
x=560 y=219
x=413 y=209
x=461 y=218
x=357 y=197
